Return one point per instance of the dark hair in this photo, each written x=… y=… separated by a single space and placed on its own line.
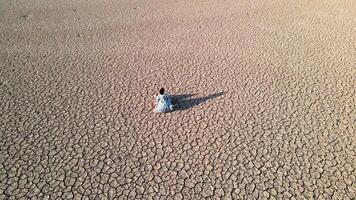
x=161 y=91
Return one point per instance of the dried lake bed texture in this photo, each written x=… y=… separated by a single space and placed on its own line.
x=265 y=94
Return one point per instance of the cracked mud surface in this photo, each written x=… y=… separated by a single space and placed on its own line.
x=265 y=90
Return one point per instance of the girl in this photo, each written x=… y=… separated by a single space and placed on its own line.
x=163 y=102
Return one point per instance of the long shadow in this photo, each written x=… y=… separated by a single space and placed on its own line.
x=184 y=102
x=181 y=97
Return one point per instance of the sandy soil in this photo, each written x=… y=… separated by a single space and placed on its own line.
x=266 y=93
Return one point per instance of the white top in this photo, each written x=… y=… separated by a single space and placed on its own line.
x=163 y=103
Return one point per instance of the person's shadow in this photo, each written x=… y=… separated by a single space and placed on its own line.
x=184 y=101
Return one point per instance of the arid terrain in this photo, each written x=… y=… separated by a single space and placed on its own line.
x=265 y=92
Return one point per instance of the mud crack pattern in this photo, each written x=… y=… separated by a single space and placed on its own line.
x=265 y=91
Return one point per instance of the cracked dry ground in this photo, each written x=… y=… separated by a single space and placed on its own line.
x=266 y=93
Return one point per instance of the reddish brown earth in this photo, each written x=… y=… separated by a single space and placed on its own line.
x=265 y=89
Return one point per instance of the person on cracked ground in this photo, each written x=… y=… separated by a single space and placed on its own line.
x=163 y=102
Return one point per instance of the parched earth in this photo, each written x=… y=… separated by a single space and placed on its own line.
x=265 y=91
